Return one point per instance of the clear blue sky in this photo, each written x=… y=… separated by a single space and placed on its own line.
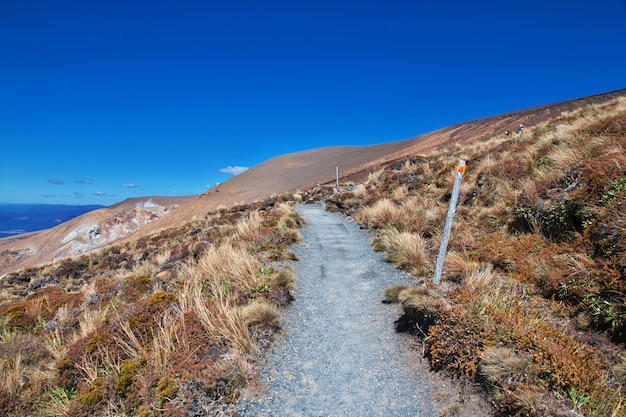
x=105 y=100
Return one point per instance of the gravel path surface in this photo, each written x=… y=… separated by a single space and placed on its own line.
x=340 y=354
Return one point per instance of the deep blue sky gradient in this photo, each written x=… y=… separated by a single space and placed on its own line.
x=101 y=101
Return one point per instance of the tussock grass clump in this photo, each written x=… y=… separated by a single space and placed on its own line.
x=226 y=262
x=288 y=223
x=421 y=308
x=12 y=370
x=249 y=228
x=405 y=250
x=458 y=265
x=501 y=365
x=262 y=316
x=391 y=293
x=383 y=213
x=224 y=324
x=284 y=278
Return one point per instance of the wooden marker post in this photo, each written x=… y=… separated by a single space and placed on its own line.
x=460 y=170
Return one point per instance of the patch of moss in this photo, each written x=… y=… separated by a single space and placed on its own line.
x=67 y=372
x=166 y=390
x=162 y=297
x=136 y=321
x=143 y=412
x=126 y=377
x=93 y=397
x=15 y=312
x=231 y=395
x=139 y=284
x=93 y=343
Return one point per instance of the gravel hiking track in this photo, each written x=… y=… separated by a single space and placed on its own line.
x=339 y=354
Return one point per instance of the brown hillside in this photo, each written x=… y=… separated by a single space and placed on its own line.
x=285 y=173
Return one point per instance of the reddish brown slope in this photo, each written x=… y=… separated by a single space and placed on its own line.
x=285 y=173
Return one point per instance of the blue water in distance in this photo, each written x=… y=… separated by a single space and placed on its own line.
x=21 y=218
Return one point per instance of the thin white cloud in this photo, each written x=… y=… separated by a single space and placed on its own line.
x=54 y=195
x=56 y=182
x=84 y=182
x=233 y=170
x=129 y=185
x=101 y=194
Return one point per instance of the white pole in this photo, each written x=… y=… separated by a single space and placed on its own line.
x=337 y=175
x=460 y=170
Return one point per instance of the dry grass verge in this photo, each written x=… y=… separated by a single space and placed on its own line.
x=532 y=303
x=167 y=325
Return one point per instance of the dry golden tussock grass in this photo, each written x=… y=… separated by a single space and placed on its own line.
x=499 y=364
x=228 y=263
x=11 y=372
x=288 y=222
x=166 y=340
x=391 y=293
x=360 y=191
x=482 y=279
x=453 y=409
x=383 y=213
x=92 y=319
x=192 y=290
x=90 y=367
x=224 y=324
x=400 y=193
x=491 y=289
x=144 y=269
x=129 y=342
x=416 y=298
x=373 y=177
x=528 y=188
x=458 y=265
x=507 y=194
x=35 y=307
x=284 y=209
x=283 y=278
x=262 y=315
x=405 y=250
x=249 y=228
x=212 y=302
x=58 y=403
x=419 y=215
x=565 y=157
x=56 y=345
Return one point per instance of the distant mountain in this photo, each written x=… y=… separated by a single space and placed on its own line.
x=22 y=218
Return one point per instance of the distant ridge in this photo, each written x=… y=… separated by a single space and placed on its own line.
x=131 y=218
